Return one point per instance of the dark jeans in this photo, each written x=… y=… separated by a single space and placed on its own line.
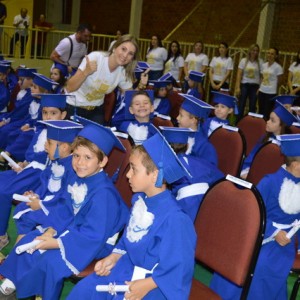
x=15 y=38
x=265 y=104
x=96 y=115
x=248 y=91
x=154 y=75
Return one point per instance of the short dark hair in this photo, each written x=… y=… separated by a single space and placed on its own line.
x=83 y=27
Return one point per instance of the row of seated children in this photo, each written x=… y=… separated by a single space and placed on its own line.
x=155 y=210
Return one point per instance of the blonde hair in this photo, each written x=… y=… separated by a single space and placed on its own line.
x=130 y=67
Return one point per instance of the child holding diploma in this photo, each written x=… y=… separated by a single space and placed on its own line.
x=83 y=225
x=280 y=192
x=155 y=255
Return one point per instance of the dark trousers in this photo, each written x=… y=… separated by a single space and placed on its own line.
x=15 y=38
x=248 y=91
x=265 y=104
x=96 y=115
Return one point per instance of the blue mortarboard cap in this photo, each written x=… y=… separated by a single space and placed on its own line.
x=4 y=68
x=168 y=165
x=196 y=76
x=285 y=99
x=54 y=100
x=284 y=114
x=177 y=134
x=102 y=137
x=6 y=62
x=160 y=83
x=289 y=144
x=195 y=106
x=45 y=82
x=62 y=130
x=225 y=99
x=128 y=98
x=167 y=76
x=143 y=65
x=26 y=72
x=62 y=68
x=137 y=72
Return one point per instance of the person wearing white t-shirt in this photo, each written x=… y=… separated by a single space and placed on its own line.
x=196 y=61
x=118 y=34
x=248 y=80
x=175 y=62
x=156 y=57
x=220 y=69
x=71 y=50
x=294 y=77
x=272 y=73
x=99 y=74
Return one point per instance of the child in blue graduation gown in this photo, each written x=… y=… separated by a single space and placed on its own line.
x=224 y=106
x=189 y=190
x=195 y=84
x=53 y=180
x=138 y=111
x=26 y=177
x=191 y=114
x=280 y=193
x=155 y=255
x=162 y=104
x=83 y=225
x=279 y=122
x=4 y=90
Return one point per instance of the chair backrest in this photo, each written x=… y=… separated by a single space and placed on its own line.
x=157 y=121
x=230 y=225
x=230 y=145
x=109 y=105
x=294 y=129
x=267 y=159
x=253 y=127
x=176 y=101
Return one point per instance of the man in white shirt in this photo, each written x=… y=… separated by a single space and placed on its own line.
x=21 y=22
x=71 y=50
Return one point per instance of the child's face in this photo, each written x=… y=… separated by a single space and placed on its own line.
x=50 y=148
x=141 y=107
x=55 y=75
x=222 y=111
x=52 y=113
x=138 y=178
x=2 y=76
x=35 y=89
x=191 y=83
x=162 y=92
x=273 y=124
x=25 y=83
x=85 y=162
x=186 y=120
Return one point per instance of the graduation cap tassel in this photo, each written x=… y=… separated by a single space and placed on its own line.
x=160 y=176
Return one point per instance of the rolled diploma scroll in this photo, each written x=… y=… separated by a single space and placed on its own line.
x=28 y=246
x=21 y=198
x=12 y=163
x=293 y=231
x=112 y=288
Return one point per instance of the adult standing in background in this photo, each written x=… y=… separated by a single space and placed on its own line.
x=272 y=73
x=118 y=35
x=294 y=78
x=3 y=15
x=99 y=74
x=196 y=61
x=248 y=80
x=156 y=57
x=21 y=22
x=71 y=50
x=43 y=27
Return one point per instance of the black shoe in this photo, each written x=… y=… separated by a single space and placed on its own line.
x=4 y=166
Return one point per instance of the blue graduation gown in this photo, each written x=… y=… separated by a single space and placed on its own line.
x=138 y=131
x=212 y=124
x=28 y=179
x=50 y=185
x=189 y=191
x=82 y=237
x=203 y=148
x=162 y=106
x=166 y=242
x=280 y=192
x=4 y=95
x=194 y=92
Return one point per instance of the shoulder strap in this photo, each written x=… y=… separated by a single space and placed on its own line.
x=71 y=50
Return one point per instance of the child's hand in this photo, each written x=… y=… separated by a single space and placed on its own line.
x=103 y=266
x=35 y=201
x=90 y=67
x=144 y=77
x=281 y=238
x=17 y=170
x=138 y=289
x=47 y=243
x=25 y=127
